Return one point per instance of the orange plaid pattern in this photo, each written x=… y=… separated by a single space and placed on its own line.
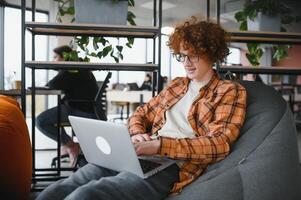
x=216 y=117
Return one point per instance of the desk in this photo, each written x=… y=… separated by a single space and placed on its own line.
x=129 y=96
x=125 y=98
x=17 y=93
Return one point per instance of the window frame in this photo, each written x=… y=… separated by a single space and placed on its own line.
x=4 y=5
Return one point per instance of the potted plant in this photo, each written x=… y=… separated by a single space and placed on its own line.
x=102 y=47
x=265 y=15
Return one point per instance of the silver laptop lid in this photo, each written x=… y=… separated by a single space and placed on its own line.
x=106 y=144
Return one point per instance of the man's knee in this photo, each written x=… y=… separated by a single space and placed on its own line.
x=84 y=192
x=54 y=191
x=41 y=121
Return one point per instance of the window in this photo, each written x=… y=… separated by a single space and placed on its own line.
x=12 y=46
x=234 y=57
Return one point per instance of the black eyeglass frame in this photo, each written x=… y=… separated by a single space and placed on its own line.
x=180 y=57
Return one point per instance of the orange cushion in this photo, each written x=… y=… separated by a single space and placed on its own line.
x=15 y=151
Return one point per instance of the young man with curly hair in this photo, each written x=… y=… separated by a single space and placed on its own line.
x=195 y=118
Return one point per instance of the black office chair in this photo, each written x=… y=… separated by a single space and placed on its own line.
x=100 y=111
x=100 y=101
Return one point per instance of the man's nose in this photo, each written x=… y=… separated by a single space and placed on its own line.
x=187 y=62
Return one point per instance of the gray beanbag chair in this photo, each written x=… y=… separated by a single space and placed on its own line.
x=264 y=162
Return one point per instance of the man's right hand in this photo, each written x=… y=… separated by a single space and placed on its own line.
x=140 y=138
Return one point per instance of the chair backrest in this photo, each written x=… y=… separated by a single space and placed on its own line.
x=100 y=102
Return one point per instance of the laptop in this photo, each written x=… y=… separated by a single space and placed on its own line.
x=133 y=86
x=109 y=145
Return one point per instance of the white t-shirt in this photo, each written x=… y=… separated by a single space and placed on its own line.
x=177 y=125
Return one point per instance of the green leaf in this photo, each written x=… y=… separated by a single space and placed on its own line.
x=130 y=18
x=114 y=57
x=70 y=11
x=252 y=59
x=240 y=16
x=243 y=26
x=95 y=41
x=131 y=21
x=254 y=53
x=280 y=51
x=85 y=40
x=66 y=55
x=128 y=45
x=130 y=40
x=131 y=14
x=93 y=54
x=103 y=41
x=74 y=56
x=252 y=47
x=121 y=56
x=86 y=59
x=259 y=53
x=106 y=50
x=131 y=3
x=252 y=15
x=99 y=54
x=119 y=48
x=61 y=12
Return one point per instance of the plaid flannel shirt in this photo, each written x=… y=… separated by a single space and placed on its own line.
x=216 y=117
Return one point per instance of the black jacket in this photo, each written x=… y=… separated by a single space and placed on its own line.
x=77 y=85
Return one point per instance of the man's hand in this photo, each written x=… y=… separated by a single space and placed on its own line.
x=140 y=138
x=151 y=147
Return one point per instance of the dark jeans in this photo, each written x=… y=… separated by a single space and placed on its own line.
x=47 y=120
x=98 y=183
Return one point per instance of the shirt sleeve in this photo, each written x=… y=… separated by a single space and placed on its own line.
x=228 y=118
x=142 y=119
x=60 y=81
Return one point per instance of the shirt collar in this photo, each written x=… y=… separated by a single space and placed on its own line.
x=211 y=85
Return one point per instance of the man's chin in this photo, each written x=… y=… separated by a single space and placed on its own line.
x=190 y=76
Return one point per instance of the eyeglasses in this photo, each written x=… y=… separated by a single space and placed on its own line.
x=182 y=57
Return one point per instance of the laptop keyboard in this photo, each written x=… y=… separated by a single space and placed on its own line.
x=147 y=165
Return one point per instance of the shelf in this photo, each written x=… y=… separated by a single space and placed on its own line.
x=260 y=70
x=265 y=37
x=17 y=92
x=91 y=66
x=59 y=29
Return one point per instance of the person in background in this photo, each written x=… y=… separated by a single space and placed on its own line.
x=193 y=120
x=76 y=85
x=147 y=83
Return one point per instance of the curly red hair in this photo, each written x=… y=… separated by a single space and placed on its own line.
x=200 y=37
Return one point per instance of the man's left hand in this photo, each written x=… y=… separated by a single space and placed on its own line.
x=147 y=147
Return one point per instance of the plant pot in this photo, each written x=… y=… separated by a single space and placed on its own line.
x=101 y=12
x=264 y=23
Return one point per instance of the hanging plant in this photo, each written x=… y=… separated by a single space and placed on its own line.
x=101 y=46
